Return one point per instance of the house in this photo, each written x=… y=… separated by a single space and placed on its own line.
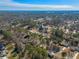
x=66 y=49
x=34 y=31
x=2 y=51
x=1 y=47
x=51 y=54
x=74 y=31
x=1 y=36
x=67 y=31
x=54 y=48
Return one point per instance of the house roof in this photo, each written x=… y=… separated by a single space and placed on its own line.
x=1 y=47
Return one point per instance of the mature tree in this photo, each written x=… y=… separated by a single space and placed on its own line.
x=57 y=35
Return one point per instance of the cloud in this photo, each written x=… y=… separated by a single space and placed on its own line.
x=5 y=0
x=10 y=5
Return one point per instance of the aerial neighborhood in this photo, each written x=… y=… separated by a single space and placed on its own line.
x=39 y=36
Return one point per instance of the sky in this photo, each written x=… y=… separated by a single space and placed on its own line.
x=39 y=4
